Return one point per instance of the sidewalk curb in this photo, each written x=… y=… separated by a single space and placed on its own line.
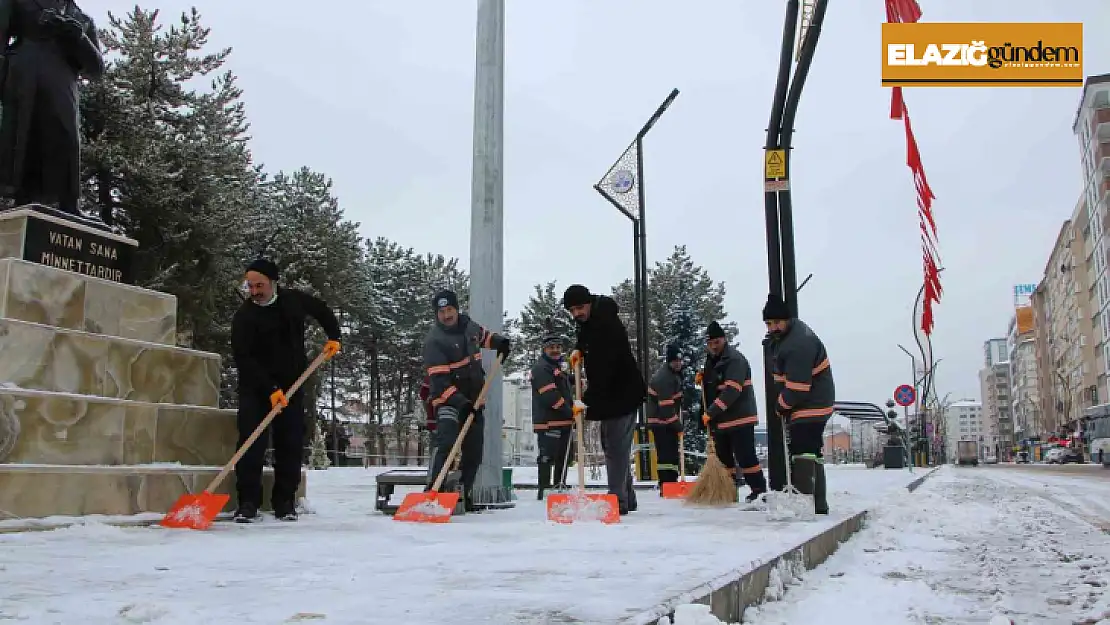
x=729 y=595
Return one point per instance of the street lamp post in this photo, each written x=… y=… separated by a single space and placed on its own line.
x=782 y=275
x=617 y=186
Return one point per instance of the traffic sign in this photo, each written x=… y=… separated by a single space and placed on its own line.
x=905 y=395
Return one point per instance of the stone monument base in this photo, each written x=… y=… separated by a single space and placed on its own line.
x=46 y=490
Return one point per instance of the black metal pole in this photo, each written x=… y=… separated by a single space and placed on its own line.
x=776 y=458
x=790 y=111
x=645 y=321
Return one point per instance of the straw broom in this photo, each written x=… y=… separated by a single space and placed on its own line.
x=715 y=485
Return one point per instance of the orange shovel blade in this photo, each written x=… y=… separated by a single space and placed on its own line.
x=568 y=508
x=429 y=507
x=195 y=511
x=675 y=490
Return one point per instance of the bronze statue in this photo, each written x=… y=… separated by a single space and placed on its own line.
x=47 y=45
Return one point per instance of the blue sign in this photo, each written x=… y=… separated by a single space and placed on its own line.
x=1024 y=289
x=905 y=395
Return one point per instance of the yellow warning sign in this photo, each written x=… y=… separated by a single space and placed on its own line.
x=774 y=165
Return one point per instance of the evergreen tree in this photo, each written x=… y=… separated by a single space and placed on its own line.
x=319 y=456
x=544 y=307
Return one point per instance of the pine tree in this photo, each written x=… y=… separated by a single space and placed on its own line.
x=319 y=457
x=543 y=310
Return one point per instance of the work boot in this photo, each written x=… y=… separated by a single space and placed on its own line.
x=820 y=503
x=801 y=473
x=285 y=511
x=247 y=512
x=468 y=501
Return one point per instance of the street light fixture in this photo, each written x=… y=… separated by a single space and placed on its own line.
x=623 y=187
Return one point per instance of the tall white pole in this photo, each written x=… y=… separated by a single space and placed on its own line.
x=487 y=224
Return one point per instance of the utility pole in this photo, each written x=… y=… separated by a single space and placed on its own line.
x=487 y=226
x=782 y=274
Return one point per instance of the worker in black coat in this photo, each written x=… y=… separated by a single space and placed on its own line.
x=615 y=389
x=267 y=344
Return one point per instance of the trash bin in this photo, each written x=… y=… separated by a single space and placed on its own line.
x=507 y=480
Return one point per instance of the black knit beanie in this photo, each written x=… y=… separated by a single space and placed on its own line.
x=264 y=267
x=552 y=339
x=576 y=295
x=445 y=298
x=714 y=331
x=775 y=309
x=673 y=353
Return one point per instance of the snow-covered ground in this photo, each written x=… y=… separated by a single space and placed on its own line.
x=349 y=564
x=1026 y=544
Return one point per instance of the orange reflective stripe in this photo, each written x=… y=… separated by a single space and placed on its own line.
x=821 y=367
x=477 y=356
x=666 y=402
x=677 y=396
x=782 y=402
x=750 y=470
x=651 y=391
x=658 y=421
x=557 y=424
x=536 y=427
x=747 y=382
x=797 y=386
x=722 y=405
x=549 y=387
x=559 y=404
x=734 y=384
x=439 y=369
x=438 y=401
x=779 y=377
x=811 y=413
x=462 y=363
x=749 y=420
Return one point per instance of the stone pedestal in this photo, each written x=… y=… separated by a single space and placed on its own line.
x=100 y=412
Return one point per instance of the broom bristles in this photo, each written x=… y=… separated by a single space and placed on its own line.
x=715 y=485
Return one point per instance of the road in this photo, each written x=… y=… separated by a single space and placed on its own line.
x=990 y=544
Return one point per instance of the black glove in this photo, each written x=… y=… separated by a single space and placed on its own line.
x=503 y=347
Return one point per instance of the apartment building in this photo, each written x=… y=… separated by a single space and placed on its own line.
x=1025 y=403
x=994 y=394
x=1092 y=130
x=964 y=422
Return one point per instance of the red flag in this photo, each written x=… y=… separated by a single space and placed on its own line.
x=902 y=11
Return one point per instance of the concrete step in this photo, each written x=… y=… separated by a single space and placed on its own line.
x=45 y=358
x=40 y=427
x=47 y=490
x=65 y=299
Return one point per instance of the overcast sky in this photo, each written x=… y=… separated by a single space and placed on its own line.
x=379 y=96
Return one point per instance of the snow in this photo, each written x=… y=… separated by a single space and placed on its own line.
x=349 y=564
x=989 y=544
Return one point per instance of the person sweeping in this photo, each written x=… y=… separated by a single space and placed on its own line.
x=716 y=485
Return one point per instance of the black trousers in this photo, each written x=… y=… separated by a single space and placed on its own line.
x=553 y=445
x=736 y=449
x=448 y=425
x=666 y=454
x=287 y=432
x=807 y=436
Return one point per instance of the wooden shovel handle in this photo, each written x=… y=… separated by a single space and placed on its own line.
x=265 y=422
x=466 y=427
x=581 y=455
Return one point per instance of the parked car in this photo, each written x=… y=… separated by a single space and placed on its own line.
x=1071 y=455
x=1054 y=455
x=991 y=460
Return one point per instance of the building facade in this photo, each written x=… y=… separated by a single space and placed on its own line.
x=518 y=441
x=1092 y=130
x=964 y=422
x=1025 y=403
x=994 y=393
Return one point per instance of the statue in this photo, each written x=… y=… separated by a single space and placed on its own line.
x=47 y=46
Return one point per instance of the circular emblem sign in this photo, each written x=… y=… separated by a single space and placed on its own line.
x=905 y=395
x=622 y=181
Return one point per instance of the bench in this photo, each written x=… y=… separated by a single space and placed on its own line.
x=390 y=480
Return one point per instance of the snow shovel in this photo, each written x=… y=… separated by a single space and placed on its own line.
x=789 y=503
x=567 y=507
x=198 y=511
x=433 y=506
x=681 y=488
